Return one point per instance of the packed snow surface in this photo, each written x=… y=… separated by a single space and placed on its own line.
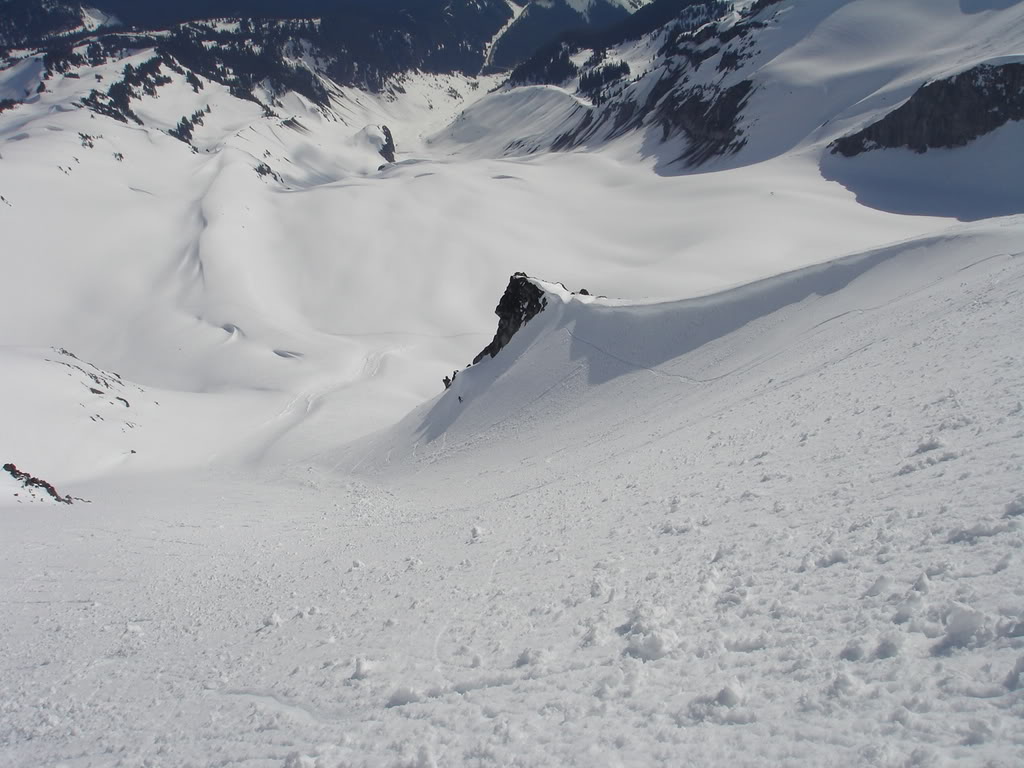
x=756 y=500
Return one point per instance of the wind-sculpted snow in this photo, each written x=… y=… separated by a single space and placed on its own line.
x=598 y=340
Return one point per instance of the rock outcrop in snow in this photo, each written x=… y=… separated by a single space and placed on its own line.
x=388 y=150
x=946 y=113
x=523 y=300
x=31 y=484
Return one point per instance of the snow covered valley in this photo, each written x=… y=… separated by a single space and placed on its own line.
x=756 y=498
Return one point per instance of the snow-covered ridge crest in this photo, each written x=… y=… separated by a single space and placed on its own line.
x=570 y=347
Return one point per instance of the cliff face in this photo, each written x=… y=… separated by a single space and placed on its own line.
x=708 y=117
x=946 y=113
x=685 y=94
x=388 y=150
x=521 y=301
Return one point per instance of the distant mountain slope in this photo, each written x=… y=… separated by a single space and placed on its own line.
x=709 y=85
x=356 y=42
x=542 y=22
x=25 y=22
x=579 y=354
x=352 y=41
x=152 y=15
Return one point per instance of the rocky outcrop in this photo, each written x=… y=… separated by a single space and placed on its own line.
x=946 y=113
x=388 y=150
x=522 y=301
x=31 y=483
x=708 y=117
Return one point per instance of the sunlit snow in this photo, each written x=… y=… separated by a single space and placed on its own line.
x=757 y=499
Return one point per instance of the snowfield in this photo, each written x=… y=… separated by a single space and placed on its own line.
x=758 y=500
x=794 y=543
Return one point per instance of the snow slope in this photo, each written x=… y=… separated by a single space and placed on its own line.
x=790 y=542
x=762 y=506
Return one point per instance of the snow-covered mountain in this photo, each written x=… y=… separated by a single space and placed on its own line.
x=352 y=41
x=736 y=481
x=542 y=22
x=356 y=42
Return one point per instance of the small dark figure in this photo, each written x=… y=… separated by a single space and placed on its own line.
x=584 y=292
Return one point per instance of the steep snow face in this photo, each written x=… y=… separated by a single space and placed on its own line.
x=518 y=121
x=774 y=511
x=778 y=526
x=850 y=67
x=979 y=113
x=948 y=113
x=580 y=344
x=763 y=509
